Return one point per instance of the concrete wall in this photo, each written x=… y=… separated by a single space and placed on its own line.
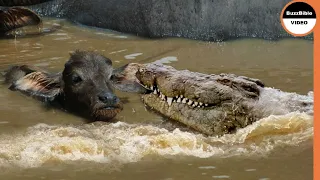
x=213 y=20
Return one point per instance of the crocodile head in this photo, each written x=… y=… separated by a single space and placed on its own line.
x=211 y=104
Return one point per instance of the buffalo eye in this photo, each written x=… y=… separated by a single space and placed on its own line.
x=76 y=79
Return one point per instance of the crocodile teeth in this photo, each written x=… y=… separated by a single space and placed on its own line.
x=164 y=97
x=177 y=99
x=184 y=100
x=169 y=101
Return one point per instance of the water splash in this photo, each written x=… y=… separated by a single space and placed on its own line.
x=124 y=143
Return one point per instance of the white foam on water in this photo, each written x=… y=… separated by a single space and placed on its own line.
x=114 y=52
x=121 y=37
x=221 y=177
x=166 y=60
x=207 y=167
x=55 y=58
x=60 y=34
x=102 y=34
x=250 y=170
x=62 y=38
x=132 y=56
x=124 y=143
x=275 y=102
x=78 y=41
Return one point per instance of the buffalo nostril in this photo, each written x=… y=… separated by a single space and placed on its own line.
x=108 y=98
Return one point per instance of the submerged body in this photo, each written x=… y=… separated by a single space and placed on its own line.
x=83 y=87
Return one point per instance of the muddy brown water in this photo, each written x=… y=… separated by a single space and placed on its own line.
x=37 y=142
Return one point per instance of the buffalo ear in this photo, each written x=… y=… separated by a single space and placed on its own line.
x=38 y=84
x=14 y=73
x=17 y=17
x=124 y=79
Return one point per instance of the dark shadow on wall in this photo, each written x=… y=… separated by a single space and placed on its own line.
x=209 y=20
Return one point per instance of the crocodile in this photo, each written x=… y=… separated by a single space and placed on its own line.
x=211 y=104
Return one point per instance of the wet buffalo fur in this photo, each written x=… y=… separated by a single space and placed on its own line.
x=84 y=87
